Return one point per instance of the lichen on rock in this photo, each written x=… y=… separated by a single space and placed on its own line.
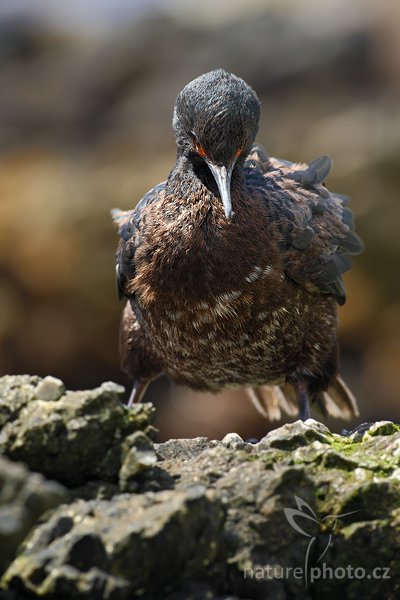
x=73 y=438
x=24 y=497
x=199 y=518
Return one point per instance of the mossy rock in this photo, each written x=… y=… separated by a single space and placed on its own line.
x=202 y=518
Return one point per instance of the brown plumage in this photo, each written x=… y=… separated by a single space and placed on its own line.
x=232 y=266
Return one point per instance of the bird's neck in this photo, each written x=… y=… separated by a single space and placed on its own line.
x=193 y=247
x=194 y=187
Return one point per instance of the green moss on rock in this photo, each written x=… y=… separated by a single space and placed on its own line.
x=72 y=439
x=199 y=518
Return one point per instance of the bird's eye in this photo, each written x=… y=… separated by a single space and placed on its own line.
x=200 y=150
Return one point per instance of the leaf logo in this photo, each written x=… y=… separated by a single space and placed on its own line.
x=305 y=512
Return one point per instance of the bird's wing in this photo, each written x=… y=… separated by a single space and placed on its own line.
x=317 y=228
x=129 y=223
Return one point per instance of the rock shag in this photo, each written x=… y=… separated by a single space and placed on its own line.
x=232 y=267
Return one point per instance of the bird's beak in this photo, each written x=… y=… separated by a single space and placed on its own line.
x=223 y=176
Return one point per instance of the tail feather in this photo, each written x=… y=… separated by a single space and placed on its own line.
x=272 y=401
x=338 y=401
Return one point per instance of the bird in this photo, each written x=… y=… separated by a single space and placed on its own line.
x=232 y=267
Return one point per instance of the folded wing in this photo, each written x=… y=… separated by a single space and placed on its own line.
x=317 y=227
x=129 y=224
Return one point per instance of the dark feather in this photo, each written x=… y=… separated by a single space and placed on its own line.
x=129 y=223
x=316 y=172
x=317 y=228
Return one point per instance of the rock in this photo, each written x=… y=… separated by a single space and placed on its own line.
x=139 y=456
x=381 y=428
x=74 y=438
x=24 y=497
x=50 y=388
x=198 y=518
x=15 y=393
x=183 y=449
x=292 y=435
x=129 y=547
x=233 y=440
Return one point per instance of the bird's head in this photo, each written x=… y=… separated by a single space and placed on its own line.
x=215 y=121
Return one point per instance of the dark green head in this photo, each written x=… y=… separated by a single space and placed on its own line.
x=216 y=118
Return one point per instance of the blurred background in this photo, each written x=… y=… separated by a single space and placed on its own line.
x=87 y=90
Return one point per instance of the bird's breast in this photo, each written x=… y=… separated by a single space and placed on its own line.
x=213 y=297
x=190 y=249
x=227 y=337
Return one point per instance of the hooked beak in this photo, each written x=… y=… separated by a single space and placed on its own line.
x=223 y=176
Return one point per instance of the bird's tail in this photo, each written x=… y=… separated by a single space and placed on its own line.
x=338 y=401
x=271 y=401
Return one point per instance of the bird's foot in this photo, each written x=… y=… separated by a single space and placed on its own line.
x=357 y=431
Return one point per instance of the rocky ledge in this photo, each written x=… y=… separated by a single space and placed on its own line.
x=98 y=510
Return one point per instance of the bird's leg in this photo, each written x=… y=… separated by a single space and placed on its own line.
x=138 y=390
x=302 y=400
